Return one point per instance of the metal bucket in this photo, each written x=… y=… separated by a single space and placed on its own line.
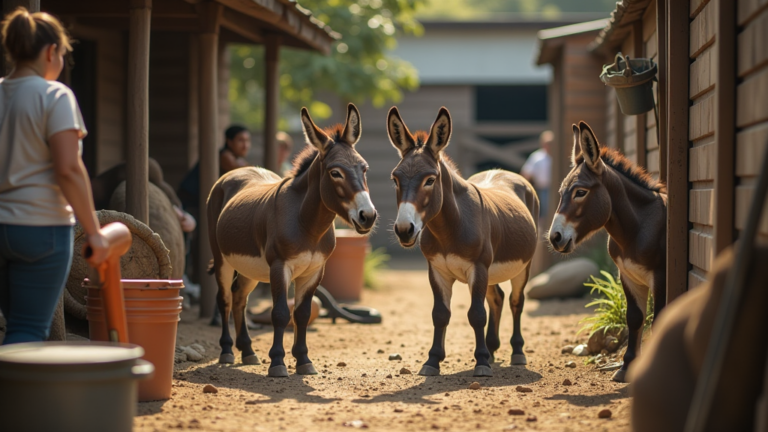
x=633 y=81
x=70 y=386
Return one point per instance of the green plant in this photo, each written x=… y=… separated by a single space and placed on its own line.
x=611 y=310
x=374 y=261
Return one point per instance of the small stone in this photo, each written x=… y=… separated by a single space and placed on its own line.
x=529 y=350
x=405 y=371
x=567 y=349
x=475 y=386
x=393 y=357
x=531 y=418
x=536 y=404
x=197 y=347
x=606 y=413
x=447 y=394
x=570 y=364
x=364 y=375
x=522 y=389
x=515 y=411
x=180 y=357
x=380 y=351
x=209 y=388
x=389 y=376
x=567 y=382
x=357 y=424
x=398 y=410
x=612 y=344
x=251 y=402
x=341 y=364
x=580 y=350
x=192 y=354
x=510 y=427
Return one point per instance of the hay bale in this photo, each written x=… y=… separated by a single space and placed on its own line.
x=148 y=258
x=162 y=220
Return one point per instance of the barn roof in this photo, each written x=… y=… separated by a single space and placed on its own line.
x=618 y=26
x=551 y=39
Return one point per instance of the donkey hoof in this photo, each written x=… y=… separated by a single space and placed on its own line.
x=620 y=376
x=483 y=371
x=251 y=360
x=519 y=359
x=279 y=371
x=227 y=359
x=306 y=369
x=428 y=370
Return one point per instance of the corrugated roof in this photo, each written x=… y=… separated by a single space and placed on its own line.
x=617 y=29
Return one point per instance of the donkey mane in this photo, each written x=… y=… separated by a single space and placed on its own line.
x=637 y=174
x=303 y=161
x=420 y=138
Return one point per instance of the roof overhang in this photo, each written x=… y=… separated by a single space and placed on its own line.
x=619 y=26
x=550 y=40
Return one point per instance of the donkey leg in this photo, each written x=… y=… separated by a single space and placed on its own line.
x=516 y=302
x=305 y=289
x=240 y=291
x=279 y=281
x=442 y=288
x=495 y=298
x=637 y=298
x=659 y=293
x=224 y=275
x=478 y=318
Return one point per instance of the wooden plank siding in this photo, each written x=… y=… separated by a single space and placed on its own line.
x=649 y=136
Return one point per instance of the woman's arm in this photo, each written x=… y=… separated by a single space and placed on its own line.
x=72 y=178
x=229 y=162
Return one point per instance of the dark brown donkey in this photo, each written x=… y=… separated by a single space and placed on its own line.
x=604 y=189
x=480 y=231
x=277 y=230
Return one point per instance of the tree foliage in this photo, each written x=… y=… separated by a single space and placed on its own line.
x=359 y=68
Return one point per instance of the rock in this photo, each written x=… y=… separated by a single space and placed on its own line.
x=341 y=364
x=405 y=371
x=606 y=413
x=537 y=404
x=192 y=354
x=567 y=382
x=357 y=424
x=522 y=389
x=251 y=402
x=209 y=388
x=380 y=351
x=580 y=350
x=568 y=349
x=531 y=418
x=515 y=411
x=570 y=364
x=393 y=357
x=565 y=279
x=611 y=344
x=389 y=376
x=609 y=340
x=197 y=347
x=180 y=357
x=475 y=386
x=398 y=410
x=364 y=375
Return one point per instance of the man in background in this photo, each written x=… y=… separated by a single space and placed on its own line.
x=538 y=170
x=284 y=148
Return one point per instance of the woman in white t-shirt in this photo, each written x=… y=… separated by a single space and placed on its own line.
x=43 y=183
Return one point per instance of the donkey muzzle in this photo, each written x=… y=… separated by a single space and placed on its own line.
x=562 y=235
x=362 y=213
x=408 y=224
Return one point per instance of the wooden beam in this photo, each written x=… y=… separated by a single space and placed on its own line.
x=677 y=65
x=210 y=20
x=185 y=25
x=661 y=102
x=243 y=25
x=137 y=155
x=272 y=94
x=725 y=127
x=639 y=51
x=104 y=9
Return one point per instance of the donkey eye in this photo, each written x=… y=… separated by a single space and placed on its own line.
x=581 y=193
x=430 y=181
x=336 y=174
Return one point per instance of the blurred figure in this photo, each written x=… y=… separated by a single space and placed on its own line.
x=284 y=148
x=538 y=170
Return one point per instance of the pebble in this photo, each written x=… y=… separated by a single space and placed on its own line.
x=537 y=404
x=405 y=371
x=364 y=375
x=380 y=351
x=570 y=364
x=522 y=389
x=180 y=357
x=531 y=418
x=389 y=376
x=515 y=411
x=580 y=350
x=395 y=357
x=398 y=410
x=192 y=354
x=606 y=413
x=568 y=349
x=567 y=382
x=475 y=386
x=197 y=347
x=251 y=402
x=209 y=388
x=341 y=364
x=357 y=424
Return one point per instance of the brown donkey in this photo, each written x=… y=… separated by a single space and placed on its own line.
x=604 y=189
x=480 y=231
x=277 y=230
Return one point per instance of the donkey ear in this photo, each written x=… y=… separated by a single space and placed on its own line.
x=590 y=148
x=398 y=132
x=576 y=151
x=353 y=127
x=315 y=135
x=440 y=132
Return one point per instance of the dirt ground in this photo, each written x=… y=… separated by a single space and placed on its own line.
x=372 y=392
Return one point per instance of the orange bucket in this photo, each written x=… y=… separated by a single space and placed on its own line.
x=152 y=308
x=343 y=277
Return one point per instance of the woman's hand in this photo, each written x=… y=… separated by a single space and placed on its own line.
x=98 y=247
x=186 y=220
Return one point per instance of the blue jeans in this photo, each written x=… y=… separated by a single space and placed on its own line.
x=34 y=266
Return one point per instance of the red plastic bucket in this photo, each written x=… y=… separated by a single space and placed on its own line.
x=152 y=309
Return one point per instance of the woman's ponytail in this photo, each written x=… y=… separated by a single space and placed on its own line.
x=26 y=34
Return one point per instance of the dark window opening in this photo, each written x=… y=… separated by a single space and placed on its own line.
x=511 y=103
x=83 y=84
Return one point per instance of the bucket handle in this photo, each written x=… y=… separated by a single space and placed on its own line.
x=627 y=69
x=142 y=370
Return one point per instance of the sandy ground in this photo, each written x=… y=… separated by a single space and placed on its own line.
x=372 y=392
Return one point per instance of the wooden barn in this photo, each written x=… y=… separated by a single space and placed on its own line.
x=712 y=57
x=151 y=77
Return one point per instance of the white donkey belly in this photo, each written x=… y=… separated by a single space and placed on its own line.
x=257 y=268
x=640 y=279
x=504 y=271
x=464 y=271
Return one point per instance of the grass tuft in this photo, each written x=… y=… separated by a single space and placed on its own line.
x=374 y=261
x=610 y=306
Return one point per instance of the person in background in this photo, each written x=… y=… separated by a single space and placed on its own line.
x=284 y=148
x=538 y=170
x=43 y=182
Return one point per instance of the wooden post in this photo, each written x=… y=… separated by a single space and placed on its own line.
x=272 y=106
x=137 y=154
x=661 y=57
x=210 y=17
x=725 y=127
x=8 y=7
x=640 y=119
x=677 y=61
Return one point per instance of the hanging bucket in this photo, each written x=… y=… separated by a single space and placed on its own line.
x=633 y=81
x=152 y=309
